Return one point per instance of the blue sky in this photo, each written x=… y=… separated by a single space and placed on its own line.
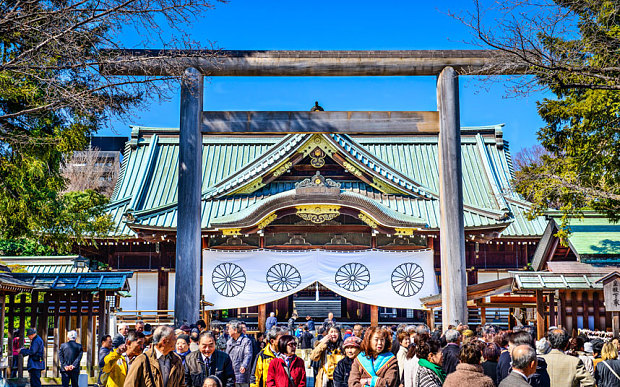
x=342 y=25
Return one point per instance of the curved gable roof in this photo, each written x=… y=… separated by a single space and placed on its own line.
x=239 y=172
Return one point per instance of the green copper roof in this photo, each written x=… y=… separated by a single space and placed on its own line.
x=594 y=238
x=544 y=280
x=146 y=192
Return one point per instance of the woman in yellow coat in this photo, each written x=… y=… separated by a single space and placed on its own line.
x=118 y=361
x=328 y=352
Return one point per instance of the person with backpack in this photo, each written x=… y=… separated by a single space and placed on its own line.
x=607 y=372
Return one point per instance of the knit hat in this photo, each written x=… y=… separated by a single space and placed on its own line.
x=352 y=341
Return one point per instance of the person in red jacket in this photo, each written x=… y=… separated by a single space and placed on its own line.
x=286 y=370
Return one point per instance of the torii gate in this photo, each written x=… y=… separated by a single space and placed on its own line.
x=445 y=64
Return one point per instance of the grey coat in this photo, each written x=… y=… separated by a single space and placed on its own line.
x=240 y=352
x=514 y=380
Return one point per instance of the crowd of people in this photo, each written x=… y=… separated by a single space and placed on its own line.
x=396 y=356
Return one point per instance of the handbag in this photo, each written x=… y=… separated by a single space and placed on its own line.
x=611 y=369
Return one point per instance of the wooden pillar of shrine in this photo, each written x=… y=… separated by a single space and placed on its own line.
x=430 y=318
x=374 y=316
x=262 y=317
x=540 y=315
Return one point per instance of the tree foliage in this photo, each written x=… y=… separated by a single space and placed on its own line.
x=52 y=98
x=572 y=48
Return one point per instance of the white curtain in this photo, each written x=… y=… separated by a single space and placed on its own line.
x=383 y=278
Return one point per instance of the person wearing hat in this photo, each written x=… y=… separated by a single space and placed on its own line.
x=69 y=356
x=343 y=368
x=35 y=357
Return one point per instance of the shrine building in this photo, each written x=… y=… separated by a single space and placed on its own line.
x=311 y=222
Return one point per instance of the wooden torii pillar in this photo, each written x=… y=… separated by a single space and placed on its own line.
x=191 y=67
x=452 y=225
x=189 y=243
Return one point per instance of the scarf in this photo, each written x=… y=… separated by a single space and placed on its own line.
x=288 y=359
x=373 y=366
x=433 y=367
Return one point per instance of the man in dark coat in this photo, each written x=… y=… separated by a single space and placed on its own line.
x=306 y=339
x=310 y=324
x=104 y=350
x=69 y=357
x=121 y=337
x=35 y=357
x=451 y=351
x=208 y=361
x=523 y=365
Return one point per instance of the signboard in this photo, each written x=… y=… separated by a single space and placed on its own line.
x=611 y=291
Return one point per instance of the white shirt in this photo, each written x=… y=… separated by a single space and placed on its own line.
x=158 y=354
x=410 y=370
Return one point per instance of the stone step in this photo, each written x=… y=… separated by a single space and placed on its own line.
x=317 y=309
